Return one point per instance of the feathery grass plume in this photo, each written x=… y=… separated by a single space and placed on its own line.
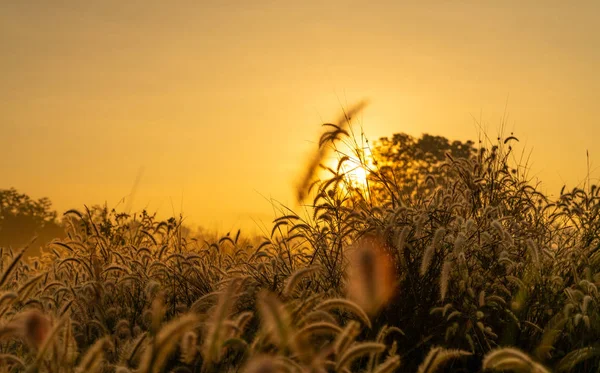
x=92 y=360
x=575 y=357
x=498 y=226
x=585 y=303
x=123 y=329
x=305 y=305
x=512 y=359
x=429 y=251
x=381 y=336
x=317 y=328
x=346 y=337
x=26 y=289
x=438 y=357
x=444 y=278
x=470 y=341
x=158 y=310
x=345 y=305
x=296 y=277
x=7 y=298
x=439 y=236
x=46 y=343
x=266 y=364
x=34 y=327
x=235 y=343
x=322 y=151
x=242 y=320
x=275 y=320
x=11 y=267
x=551 y=333
x=387 y=330
x=317 y=315
x=371 y=277
x=69 y=346
x=401 y=236
x=400 y=242
x=481 y=300
x=189 y=347
x=534 y=252
x=205 y=301
x=215 y=327
x=356 y=351
x=389 y=365
x=152 y=289
x=11 y=361
x=426 y=260
x=130 y=353
x=165 y=342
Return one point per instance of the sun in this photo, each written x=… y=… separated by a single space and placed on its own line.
x=356 y=174
x=354 y=163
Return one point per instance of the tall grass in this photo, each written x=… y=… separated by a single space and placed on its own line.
x=481 y=271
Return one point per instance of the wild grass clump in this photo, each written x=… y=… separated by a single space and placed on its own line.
x=472 y=270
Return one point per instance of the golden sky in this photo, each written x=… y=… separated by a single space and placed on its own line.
x=219 y=102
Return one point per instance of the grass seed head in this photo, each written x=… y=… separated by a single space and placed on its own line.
x=34 y=326
x=371 y=279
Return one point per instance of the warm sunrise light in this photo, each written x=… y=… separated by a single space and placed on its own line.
x=263 y=186
x=357 y=175
x=220 y=102
x=353 y=160
x=359 y=164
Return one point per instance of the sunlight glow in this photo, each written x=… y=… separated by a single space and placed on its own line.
x=356 y=174
x=357 y=166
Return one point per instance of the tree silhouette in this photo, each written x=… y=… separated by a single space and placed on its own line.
x=22 y=219
x=414 y=166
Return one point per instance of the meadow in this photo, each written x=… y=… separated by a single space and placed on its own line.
x=469 y=268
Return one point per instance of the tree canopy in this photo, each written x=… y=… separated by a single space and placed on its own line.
x=23 y=218
x=412 y=162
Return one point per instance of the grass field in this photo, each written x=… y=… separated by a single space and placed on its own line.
x=480 y=271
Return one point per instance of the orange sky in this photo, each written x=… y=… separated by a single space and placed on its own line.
x=221 y=101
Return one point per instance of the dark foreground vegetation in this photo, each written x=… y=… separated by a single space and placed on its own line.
x=447 y=260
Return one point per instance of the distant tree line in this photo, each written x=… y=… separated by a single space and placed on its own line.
x=416 y=166
x=23 y=218
x=410 y=162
